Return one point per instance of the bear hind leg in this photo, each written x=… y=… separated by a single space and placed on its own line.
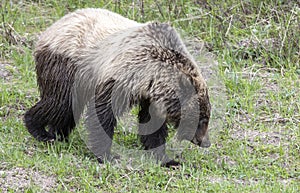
x=62 y=126
x=36 y=120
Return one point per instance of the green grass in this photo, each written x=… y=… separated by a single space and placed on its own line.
x=255 y=149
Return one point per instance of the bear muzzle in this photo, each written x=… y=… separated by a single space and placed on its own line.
x=201 y=137
x=205 y=143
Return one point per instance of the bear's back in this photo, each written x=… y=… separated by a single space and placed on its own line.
x=81 y=29
x=141 y=53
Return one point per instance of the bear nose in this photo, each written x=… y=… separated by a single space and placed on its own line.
x=205 y=144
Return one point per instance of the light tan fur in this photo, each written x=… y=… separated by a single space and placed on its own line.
x=82 y=29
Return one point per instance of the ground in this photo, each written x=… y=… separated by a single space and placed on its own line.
x=249 y=53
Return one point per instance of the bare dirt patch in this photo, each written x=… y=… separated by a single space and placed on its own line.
x=5 y=70
x=247 y=182
x=253 y=136
x=19 y=179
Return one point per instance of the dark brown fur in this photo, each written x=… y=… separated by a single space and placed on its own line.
x=55 y=106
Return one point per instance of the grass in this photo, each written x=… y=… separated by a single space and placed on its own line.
x=255 y=149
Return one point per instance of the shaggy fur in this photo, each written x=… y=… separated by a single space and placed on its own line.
x=140 y=64
x=57 y=50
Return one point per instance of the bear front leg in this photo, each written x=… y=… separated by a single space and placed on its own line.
x=153 y=132
x=100 y=125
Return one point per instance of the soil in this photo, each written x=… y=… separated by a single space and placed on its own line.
x=20 y=179
x=4 y=72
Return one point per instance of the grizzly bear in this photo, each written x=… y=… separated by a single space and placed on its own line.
x=100 y=60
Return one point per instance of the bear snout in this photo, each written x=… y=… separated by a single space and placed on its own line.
x=205 y=144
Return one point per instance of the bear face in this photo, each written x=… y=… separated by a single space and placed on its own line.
x=201 y=137
x=194 y=121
